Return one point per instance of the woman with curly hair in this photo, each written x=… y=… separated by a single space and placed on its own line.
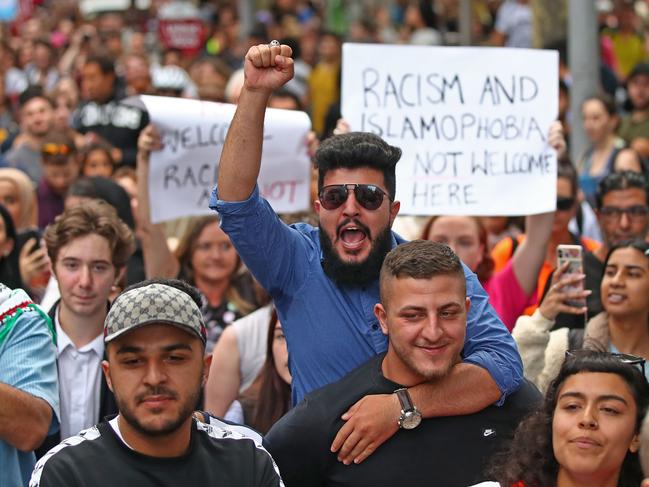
x=586 y=433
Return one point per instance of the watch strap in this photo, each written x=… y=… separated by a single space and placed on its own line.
x=404 y=398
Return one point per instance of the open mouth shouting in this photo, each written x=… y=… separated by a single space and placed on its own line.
x=352 y=235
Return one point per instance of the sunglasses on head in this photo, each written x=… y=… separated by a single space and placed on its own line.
x=52 y=149
x=368 y=196
x=624 y=358
x=564 y=204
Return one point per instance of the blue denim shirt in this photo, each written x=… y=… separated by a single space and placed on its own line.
x=331 y=330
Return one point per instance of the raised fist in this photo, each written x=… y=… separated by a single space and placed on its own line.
x=267 y=67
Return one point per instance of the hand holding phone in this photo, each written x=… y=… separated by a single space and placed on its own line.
x=572 y=257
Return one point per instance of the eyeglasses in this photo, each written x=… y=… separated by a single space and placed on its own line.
x=52 y=149
x=635 y=212
x=624 y=358
x=368 y=196
x=564 y=204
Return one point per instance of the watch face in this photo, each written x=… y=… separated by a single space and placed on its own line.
x=410 y=420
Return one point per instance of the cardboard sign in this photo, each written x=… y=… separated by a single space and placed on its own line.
x=472 y=124
x=193 y=132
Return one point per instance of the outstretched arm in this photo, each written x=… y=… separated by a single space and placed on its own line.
x=530 y=254
x=159 y=261
x=266 y=68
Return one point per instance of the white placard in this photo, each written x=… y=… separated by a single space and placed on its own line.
x=183 y=173
x=472 y=124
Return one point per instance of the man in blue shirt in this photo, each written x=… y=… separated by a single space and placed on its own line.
x=325 y=281
x=29 y=395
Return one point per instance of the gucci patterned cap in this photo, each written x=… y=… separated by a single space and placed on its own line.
x=153 y=304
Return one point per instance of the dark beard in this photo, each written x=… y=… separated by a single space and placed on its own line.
x=170 y=426
x=360 y=273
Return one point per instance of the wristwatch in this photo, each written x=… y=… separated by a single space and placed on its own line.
x=410 y=416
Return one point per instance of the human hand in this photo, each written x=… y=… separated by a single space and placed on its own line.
x=369 y=423
x=342 y=127
x=149 y=140
x=560 y=292
x=312 y=143
x=84 y=34
x=33 y=262
x=557 y=139
x=267 y=67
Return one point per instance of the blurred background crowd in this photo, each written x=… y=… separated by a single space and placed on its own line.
x=66 y=138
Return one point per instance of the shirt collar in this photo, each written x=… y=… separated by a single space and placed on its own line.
x=63 y=340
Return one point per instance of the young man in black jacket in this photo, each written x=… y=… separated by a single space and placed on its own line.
x=155 y=343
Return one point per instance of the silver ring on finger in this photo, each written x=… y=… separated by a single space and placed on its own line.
x=274 y=42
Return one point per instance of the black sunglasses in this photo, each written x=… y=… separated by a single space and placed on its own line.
x=625 y=358
x=564 y=204
x=368 y=196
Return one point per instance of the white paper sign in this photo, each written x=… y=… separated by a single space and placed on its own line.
x=183 y=173
x=472 y=124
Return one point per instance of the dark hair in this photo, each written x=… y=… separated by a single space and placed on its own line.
x=486 y=266
x=105 y=63
x=358 y=149
x=566 y=170
x=638 y=244
x=94 y=217
x=97 y=146
x=274 y=398
x=419 y=259
x=100 y=188
x=563 y=87
x=529 y=458
x=10 y=228
x=10 y=264
x=31 y=92
x=294 y=44
x=427 y=12
x=285 y=93
x=617 y=181
x=608 y=102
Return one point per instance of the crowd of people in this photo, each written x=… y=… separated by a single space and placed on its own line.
x=347 y=345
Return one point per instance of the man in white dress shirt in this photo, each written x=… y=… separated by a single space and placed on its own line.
x=88 y=245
